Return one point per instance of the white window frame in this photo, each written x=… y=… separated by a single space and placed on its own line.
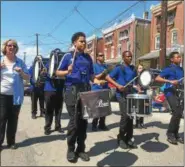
x=172 y=37
x=157 y=36
x=119 y=50
x=123 y=35
x=105 y=53
x=108 y=39
x=112 y=52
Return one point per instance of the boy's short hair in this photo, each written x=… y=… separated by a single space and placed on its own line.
x=77 y=35
x=172 y=54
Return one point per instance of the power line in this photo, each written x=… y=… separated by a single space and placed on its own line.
x=116 y=17
x=65 y=18
x=85 y=18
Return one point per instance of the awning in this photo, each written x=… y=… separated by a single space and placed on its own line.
x=155 y=54
x=113 y=61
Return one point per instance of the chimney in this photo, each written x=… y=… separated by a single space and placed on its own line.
x=145 y=15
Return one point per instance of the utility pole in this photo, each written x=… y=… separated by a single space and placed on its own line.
x=37 y=44
x=162 y=57
x=24 y=57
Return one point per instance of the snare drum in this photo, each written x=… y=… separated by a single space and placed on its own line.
x=139 y=104
x=55 y=59
x=95 y=104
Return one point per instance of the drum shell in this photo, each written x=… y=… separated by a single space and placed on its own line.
x=96 y=103
x=141 y=103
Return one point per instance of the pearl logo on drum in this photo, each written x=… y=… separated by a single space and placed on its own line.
x=100 y=103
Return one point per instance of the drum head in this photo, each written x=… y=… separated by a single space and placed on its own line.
x=52 y=65
x=145 y=78
x=36 y=71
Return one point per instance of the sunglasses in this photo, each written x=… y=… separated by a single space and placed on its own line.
x=14 y=46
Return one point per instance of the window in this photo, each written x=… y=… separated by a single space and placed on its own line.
x=171 y=17
x=119 y=50
x=128 y=45
x=108 y=39
x=112 y=52
x=123 y=35
x=174 y=36
x=105 y=53
x=157 y=42
x=89 y=45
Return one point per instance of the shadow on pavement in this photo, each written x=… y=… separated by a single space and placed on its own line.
x=119 y=159
x=42 y=139
x=157 y=124
x=152 y=146
x=102 y=147
x=142 y=138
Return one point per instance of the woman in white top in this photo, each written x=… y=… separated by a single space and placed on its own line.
x=13 y=71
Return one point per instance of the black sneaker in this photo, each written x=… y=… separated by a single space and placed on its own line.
x=13 y=146
x=143 y=126
x=71 y=156
x=84 y=156
x=47 y=132
x=104 y=128
x=123 y=145
x=60 y=130
x=179 y=139
x=172 y=140
x=33 y=116
x=131 y=144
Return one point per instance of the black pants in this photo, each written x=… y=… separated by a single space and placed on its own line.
x=126 y=123
x=176 y=115
x=54 y=103
x=77 y=126
x=35 y=96
x=101 y=122
x=8 y=119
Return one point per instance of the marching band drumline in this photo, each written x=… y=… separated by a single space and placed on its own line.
x=122 y=76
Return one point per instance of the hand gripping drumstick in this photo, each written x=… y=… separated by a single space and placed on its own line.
x=74 y=55
x=131 y=81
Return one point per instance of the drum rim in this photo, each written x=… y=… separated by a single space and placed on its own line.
x=52 y=55
x=137 y=96
x=34 y=79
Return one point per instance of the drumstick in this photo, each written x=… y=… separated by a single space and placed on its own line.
x=131 y=81
x=181 y=79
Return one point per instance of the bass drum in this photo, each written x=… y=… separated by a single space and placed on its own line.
x=55 y=58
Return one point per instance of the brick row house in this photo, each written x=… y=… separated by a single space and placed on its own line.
x=141 y=36
x=174 y=32
x=131 y=34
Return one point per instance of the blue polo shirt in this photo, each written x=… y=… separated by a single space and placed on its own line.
x=172 y=72
x=82 y=68
x=18 y=85
x=98 y=69
x=122 y=75
x=49 y=83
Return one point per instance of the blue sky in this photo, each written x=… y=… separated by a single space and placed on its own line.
x=21 y=20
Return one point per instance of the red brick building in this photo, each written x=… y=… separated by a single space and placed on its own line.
x=131 y=34
x=174 y=32
x=94 y=45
